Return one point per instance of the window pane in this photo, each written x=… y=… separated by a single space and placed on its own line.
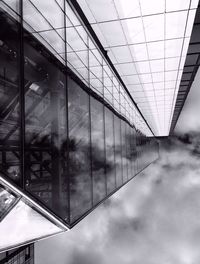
x=46 y=22
x=128 y=149
x=9 y=97
x=133 y=151
x=77 y=46
x=46 y=133
x=13 y=4
x=98 y=151
x=124 y=162
x=79 y=151
x=96 y=71
x=110 y=155
x=118 y=151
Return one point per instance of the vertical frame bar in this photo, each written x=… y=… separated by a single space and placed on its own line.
x=21 y=98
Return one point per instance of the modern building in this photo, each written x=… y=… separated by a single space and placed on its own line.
x=85 y=88
x=22 y=255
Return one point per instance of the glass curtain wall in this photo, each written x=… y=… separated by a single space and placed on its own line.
x=79 y=151
x=67 y=135
x=98 y=158
x=10 y=120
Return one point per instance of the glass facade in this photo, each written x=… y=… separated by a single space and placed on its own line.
x=22 y=255
x=68 y=134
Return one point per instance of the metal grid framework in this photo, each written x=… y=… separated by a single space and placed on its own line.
x=22 y=255
x=189 y=71
x=80 y=53
x=63 y=143
x=147 y=42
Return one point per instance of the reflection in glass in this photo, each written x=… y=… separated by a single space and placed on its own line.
x=128 y=150
x=79 y=151
x=46 y=22
x=110 y=154
x=124 y=155
x=77 y=46
x=133 y=152
x=9 y=97
x=70 y=168
x=45 y=130
x=118 y=151
x=98 y=151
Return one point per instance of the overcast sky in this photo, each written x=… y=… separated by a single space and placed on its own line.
x=154 y=219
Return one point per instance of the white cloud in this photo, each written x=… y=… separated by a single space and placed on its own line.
x=154 y=219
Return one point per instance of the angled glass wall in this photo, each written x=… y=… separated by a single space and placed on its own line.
x=21 y=221
x=70 y=136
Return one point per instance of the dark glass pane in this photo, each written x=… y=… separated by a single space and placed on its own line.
x=45 y=130
x=124 y=157
x=118 y=151
x=128 y=150
x=98 y=151
x=9 y=97
x=133 y=152
x=137 y=148
x=79 y=151
x=138 y=151
x=110 y=154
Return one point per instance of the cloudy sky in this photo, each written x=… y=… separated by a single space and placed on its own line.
x=153 y=219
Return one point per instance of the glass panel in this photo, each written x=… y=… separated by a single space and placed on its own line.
x=45 y=130
x=175 y=24
x=77 y=50
x=122 y=54
x=46 y=21
x=96 y=71
x=127 y=8
x=51 y=13
x=173 y=47
x=102 y=10
x=137 y=151
x=128 y=151
x=156 y=50
x=177 y=5
x=79 y=151
x=23 y=217
x=154 y=27
x=118 y=151
x=133 y=29
x=110 y=154
x=133 y=151
x=152 y=7
x=13 y=4
x=117 y=37
x=9 y=97
x=124 y=161
x=98 y=151
x=139 y=52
